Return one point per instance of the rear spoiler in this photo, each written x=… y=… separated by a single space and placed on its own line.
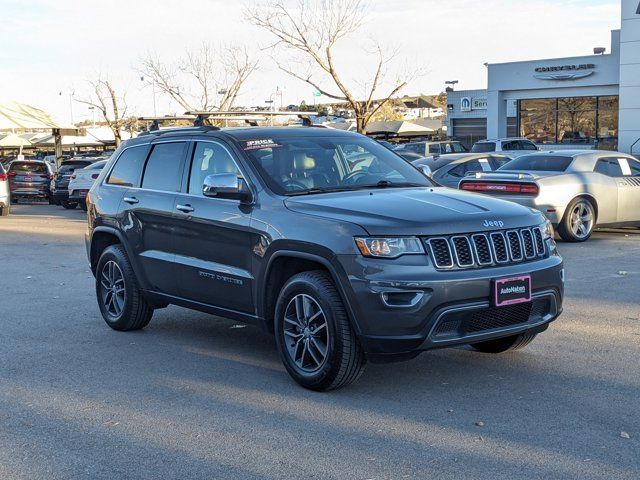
x=500 y=177
x=500 y=183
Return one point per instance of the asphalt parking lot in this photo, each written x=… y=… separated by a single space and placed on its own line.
x=195 y=396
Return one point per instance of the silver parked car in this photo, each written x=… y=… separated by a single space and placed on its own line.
x=513 y=147
x=575 y=189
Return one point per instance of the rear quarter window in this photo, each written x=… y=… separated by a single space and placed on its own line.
x=540 y=163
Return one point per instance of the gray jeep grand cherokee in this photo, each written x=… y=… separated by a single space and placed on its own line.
x=343 y=250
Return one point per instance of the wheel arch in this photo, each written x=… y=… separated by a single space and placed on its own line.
x=281 y=266
x=592 y=200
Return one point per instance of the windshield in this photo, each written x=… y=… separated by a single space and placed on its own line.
x=483 y=147
x=294 y=166
x=539 y=163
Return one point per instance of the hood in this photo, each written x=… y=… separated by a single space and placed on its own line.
x=416 y=211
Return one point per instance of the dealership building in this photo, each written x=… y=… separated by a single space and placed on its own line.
x=587 y=102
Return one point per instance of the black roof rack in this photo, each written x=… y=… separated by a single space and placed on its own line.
x=250 y=117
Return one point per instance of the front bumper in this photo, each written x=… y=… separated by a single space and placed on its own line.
x=405 y=306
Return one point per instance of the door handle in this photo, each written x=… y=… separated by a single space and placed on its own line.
x=131 y=200
x=185 y=208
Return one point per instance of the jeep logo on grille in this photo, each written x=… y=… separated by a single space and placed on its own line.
x=493 y=223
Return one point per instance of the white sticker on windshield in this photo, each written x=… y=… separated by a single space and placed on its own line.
x=260 y=143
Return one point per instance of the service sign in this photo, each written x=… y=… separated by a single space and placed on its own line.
x=479 y=104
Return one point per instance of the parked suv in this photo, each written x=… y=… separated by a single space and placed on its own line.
x=513 y=147
x=60 y=183
x=29 y=179
x=432 y=148
x=344 y=262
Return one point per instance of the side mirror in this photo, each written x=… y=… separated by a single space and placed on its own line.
x=426 y=170
x=226 y=185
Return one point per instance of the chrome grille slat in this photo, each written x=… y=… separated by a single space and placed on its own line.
x=486 y=249
x=515 y=245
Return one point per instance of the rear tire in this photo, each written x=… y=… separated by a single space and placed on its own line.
x=316 y=342
x=119 y=297
x=505 y=344
x=68 y=205
x=578 y=222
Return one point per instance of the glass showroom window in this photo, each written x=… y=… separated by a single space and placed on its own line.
x=538 y=120
x=577 y=120
x=571 y=120
x=608 y=123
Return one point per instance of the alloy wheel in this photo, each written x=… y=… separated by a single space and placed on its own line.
x=306 y=333
x=112 y=291
x=581 y=219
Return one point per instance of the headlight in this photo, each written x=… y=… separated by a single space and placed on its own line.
x=389 y=247
x=546 y=228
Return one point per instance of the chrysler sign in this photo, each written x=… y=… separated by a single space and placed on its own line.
x=565 y=72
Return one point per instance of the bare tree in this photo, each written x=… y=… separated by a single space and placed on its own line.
x=312 y=30
x=113 y=108
x=207 y=79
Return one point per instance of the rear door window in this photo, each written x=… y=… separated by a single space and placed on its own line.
x=128 y=168
x=527 y=145
x=164 y=168
x=434 y=148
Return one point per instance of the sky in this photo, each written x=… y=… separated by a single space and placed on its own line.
x=50 y=48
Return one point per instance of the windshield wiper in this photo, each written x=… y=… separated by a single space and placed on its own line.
x=387 y=184
x=349 y=188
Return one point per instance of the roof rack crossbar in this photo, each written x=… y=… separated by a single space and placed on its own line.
x=305 y=117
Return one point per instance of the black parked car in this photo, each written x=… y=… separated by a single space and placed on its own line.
x=343 y=261
x=29 y=179
x=60 y=184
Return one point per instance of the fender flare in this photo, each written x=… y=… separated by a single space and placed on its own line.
x=325 y=262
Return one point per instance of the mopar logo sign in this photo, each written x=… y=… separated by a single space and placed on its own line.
x=465 y=104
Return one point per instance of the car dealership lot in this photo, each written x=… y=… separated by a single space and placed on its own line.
x=195 y=396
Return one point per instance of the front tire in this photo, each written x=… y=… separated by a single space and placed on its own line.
x=500 y=345
x=314 y=337
x=120 y=299
x=578 y=222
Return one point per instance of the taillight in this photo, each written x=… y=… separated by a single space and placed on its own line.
x=95 y=175
x=11 y=174
x=3 y=177
x=501 y=187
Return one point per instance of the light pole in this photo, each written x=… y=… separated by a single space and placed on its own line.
x=153 y=87
x=93 y=116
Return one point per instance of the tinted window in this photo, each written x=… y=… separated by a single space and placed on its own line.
x=209 y=159
x=414 y=147
x=634 y=165
x=467 y=167
x=128 y=167
x=483 y=147
x=513 y=145
x=542 y=163
x=500 y=161
x=31 y=167
x=434 y=148
x=70 y=167
x=453 y=148
x=609 y=167
x=524 y=145
x=164 y=167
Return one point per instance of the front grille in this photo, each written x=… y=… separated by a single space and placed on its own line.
x=461 y=323
x=486 y=249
